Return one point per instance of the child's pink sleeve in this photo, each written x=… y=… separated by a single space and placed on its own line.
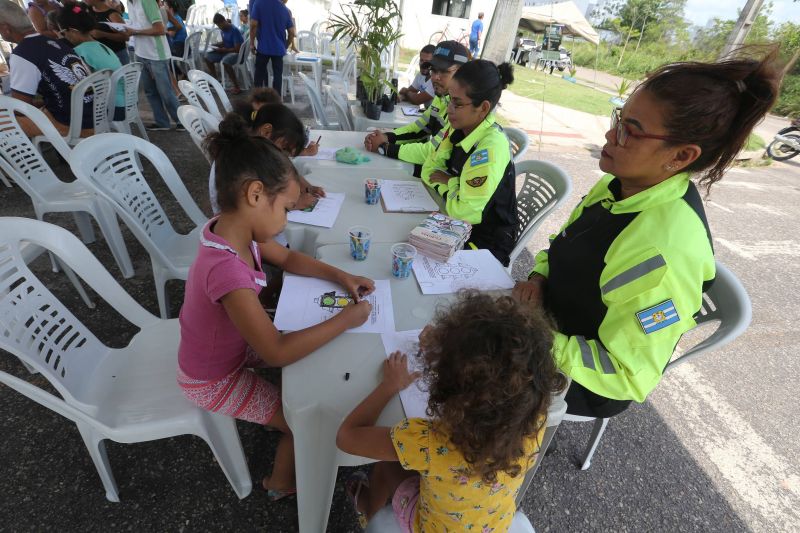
x=227 y=276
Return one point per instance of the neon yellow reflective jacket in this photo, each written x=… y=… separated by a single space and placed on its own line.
x=624 y=280
x=414 y=142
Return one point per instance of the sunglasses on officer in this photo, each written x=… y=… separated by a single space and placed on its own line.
x=623 y=130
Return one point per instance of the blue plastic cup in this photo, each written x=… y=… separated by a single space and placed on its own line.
x=403 y=255
x=372 y=191
x=359 y=238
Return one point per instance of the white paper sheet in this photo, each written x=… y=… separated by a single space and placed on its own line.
x=413 y=398
x=474 y=269
x=324 y=213
x=411 y=111
x=407 y=197
x=326 y=154
x=306 y=302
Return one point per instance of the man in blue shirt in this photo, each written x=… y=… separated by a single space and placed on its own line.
x=227 y=51
x=475 y=35
x=271 y=24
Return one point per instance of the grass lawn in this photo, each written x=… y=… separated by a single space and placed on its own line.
x=754 y=142
x=538 y=85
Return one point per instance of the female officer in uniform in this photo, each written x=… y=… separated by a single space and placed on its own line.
x=626 y=273
x=472 y=168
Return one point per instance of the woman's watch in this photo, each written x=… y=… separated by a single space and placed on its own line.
x=383 y=149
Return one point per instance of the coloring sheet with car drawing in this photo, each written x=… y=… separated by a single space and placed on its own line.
x=413 y=398
x=467 y=269
x=407 y=197
x=306 y=302
x=324 y=212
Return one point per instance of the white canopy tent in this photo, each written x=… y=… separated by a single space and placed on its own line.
x=537 y=18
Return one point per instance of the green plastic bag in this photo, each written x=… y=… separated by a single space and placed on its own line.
x=351 y=156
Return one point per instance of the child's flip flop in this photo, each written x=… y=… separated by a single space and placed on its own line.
x=355 y=482
x=274 y=495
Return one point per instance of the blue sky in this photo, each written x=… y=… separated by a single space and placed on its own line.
x=700 y=11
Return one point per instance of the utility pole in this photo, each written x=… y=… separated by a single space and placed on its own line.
x=746 y=20
x=499 y=38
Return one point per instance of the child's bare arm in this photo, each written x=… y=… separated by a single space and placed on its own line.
x=358 y=434
x=278 y=349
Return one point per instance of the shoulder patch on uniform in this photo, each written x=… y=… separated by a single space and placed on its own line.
x=477 y=182
x=478 y=158
x=658 y=317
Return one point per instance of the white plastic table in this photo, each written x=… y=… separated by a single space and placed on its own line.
x=386 y=227
x=394 y=119
x=316 y=396
x=343 y=139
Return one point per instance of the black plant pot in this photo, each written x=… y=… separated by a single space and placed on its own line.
x=360 y=94
x=364 y=105
x=387 y=104
x=394 y=94
x=373 y=111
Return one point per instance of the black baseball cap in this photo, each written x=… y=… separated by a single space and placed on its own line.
x=449 y=53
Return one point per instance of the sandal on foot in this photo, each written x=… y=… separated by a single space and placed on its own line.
x=352 y=487
x=275 y=495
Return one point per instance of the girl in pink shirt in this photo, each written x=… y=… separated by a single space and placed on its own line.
x=224 y=329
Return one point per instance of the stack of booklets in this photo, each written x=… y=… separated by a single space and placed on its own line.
x=440 y=236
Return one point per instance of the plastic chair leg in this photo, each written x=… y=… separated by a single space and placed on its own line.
x=160 y=278
x=84 y=224
x=5 y=181
x=597 y=432
x=97 y=450
x=77 y=284
x=107 y=220
x=223 y=439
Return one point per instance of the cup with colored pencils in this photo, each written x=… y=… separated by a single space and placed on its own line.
x=359 y=238
x=372 y=190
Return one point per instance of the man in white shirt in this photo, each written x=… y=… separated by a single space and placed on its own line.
x=421 y=89
x=152 y=50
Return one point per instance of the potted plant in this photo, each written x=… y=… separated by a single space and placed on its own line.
x=372 y=26
x=622 y=90
x=571 y=78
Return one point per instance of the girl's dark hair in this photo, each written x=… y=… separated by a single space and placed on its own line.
x=240 y=158
x=484 y=80
x=76 y=15
x=489 y=369
x=716 y=105
x=265 y=95
x=285 y=124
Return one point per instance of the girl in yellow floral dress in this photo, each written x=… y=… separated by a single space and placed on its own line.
x=487 y=365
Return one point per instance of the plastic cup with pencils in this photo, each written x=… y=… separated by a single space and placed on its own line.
x=372 y=190
x=359 y=238
x=403 y=255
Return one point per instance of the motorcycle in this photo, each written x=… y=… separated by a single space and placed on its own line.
x=786 y=144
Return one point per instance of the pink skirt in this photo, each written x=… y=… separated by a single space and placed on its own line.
x=241 y=394
x=404 y=503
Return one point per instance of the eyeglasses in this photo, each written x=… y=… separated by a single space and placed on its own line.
x=623 y=130
x=454 y=105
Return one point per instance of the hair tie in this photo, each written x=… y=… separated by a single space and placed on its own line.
x=76 y=9
x=253 y=116
x=741 y=86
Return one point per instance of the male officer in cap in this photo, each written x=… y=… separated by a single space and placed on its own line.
x=412 y=143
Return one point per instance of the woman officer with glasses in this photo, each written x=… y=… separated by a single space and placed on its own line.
x=626 y=273
x=471 y=169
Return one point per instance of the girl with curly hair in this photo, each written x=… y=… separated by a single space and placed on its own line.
x=487 y=365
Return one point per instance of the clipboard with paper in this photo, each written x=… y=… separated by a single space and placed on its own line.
x=406 y=197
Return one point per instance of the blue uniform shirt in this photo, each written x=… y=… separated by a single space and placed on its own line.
x=231 y=37
x=273 y=21
x=477 y=27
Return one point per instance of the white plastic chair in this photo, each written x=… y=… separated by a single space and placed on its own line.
x=287 y=84
x=207 y=88
x=20 y=160
x=307 y=42
x=340 y=107
x=108 y=161
x=128 y=394
x=190 y=58
x=726 y=302
x=240 y=68
x=129 y=76
x=320 y=116
x=519 y=142
x=545 y=187
x=326 y=48
x=99 y=83
x=198 y=123
x=384 y=522
x=344 y=76
x=188 y=90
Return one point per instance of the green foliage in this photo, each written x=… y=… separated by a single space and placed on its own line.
x=789 y=100
x=372 y=26
x=623 y=87
x=754 y=142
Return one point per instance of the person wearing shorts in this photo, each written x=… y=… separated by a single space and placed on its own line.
x=226 y=52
